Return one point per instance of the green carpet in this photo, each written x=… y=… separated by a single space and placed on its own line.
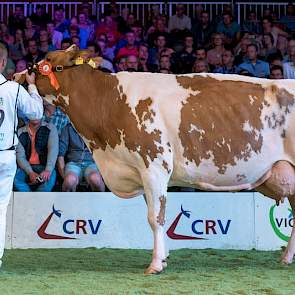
x=112 y=271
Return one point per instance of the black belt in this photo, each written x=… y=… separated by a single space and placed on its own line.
x=12 y=148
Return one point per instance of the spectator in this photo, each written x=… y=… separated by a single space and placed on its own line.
x=228 y=66
x=137 y=29
x=79 y=164
x=165 y=63
x=30 y=31
x=179 y=21
x=95 y=51
x=187 y=56
x=5 y=36
x=17 y=50
x=86 y=31
x=40 y=18
x=54 y=35
x=201 y=53
x=21 y=65
x=276 y=72
x=130 y=48
x=108 y=25
x=154 y=32
x=203 y=30
x=34 y=54
x=36 y=156
x=289 y=19
x=121 y=64
x=214 y=55
x=17 y=19
x=45 y=44
x=268 y=46
x=66 y=43
x=160 y=44
x=254 y=66
x=76 y=40
x=60 y=23
x=252 y=25
x=289 y=68
x=200 y=66
x=55 y=116
x=143 y=56
x=268 y=27
x=290 y=51
x=242 y=51
x=132 y=63
x=230 y=29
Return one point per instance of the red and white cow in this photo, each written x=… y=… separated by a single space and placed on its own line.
x=209 y=131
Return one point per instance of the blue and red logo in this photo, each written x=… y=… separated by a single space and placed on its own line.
x=69 y=227
x=201 y=228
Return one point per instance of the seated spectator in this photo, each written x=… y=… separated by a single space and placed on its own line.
x=241 y=50
x=256 y=67
x=179 y=21
x=34 y=54
x=17 y=50
x=252 y=25
x=187 y=56
x=21 y=65
x=289 y=68
x=107 y=49
x=282 y=44
x=55 y=116
x=143 y=56
x=158 y=29
x=201 y=53
x=54 y=35
x=203 y=30
x=268 y=46
x=165 y=63
x=154 y=52
x=290 y=51
x=86 y=31
x=132 y=63
x=276 y=72
x=76 y=40
x=66 y=43
x=80 y=164
x=5 y=36
x=214 y=55
x=120 y=64
x=130 y=48
x=95 y=51
x=45 y=44
x=30 y=31
x=228 y=66
x=200 y=66
x=60 y=23
x=230 y=29
x=36 y=156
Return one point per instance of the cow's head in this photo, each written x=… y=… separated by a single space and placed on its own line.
x=50 y=72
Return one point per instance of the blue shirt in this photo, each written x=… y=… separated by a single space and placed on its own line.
x=259 y=69
x=229 y=31
x=225 y=70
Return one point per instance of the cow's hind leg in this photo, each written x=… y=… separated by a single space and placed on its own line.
x=289 y=253
x=155 y=186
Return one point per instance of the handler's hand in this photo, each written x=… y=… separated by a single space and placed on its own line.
x=33 y=176
x=30 y=78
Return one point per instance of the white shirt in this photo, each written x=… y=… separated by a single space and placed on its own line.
x=30 y=104
x=289 y=70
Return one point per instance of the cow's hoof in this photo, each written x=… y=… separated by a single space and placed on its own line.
x=152 y=271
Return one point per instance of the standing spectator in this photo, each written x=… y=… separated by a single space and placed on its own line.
x=80 y=162
x=55 y=116
x=60 y=23
x=40 y=18
x=187 y=56
x=230 y=29
x=203 y=30
x=179 y=21
x=252 y=25
x=30 y=31
x=289 y=19
x=86 y=31
x=36 y=155
x=200 y=66
x=17 y=19
x=54 y=35
x=228 y=66
x=276 y=72
x=214 y=55
x=45 y=45
x=254 y=66
x=34 y=54
x=130 y=48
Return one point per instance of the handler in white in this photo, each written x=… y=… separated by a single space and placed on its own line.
x=12 y=97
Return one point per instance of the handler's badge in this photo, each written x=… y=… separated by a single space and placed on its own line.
x=92 y=63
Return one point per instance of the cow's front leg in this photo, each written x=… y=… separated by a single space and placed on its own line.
x=289 y=253
x=156 y=196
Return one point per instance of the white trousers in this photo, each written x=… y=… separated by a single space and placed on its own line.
x=7 y=173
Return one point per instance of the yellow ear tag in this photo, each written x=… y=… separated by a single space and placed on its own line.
x=79 y=61
x=92 y=63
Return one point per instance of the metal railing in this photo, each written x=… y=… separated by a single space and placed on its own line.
x=141 y=9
